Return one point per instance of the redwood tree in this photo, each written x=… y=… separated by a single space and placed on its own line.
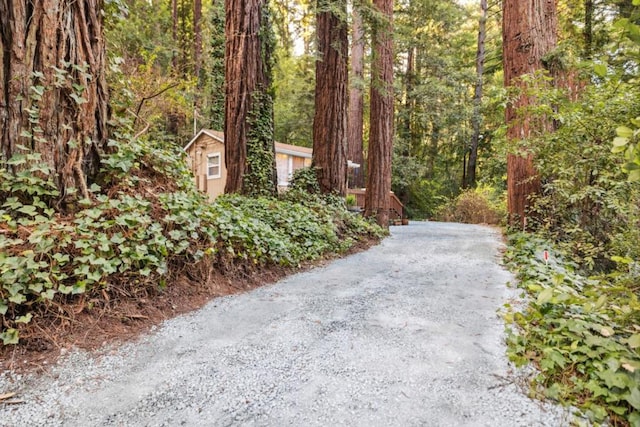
x=377 y=201
x=53 y=92
x=529 y=32
x=248 y=108
x=356 y=99
x=330 y=120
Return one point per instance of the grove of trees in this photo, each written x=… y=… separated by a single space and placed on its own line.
x=525 y=111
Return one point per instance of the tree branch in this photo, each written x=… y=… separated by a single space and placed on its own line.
x=146 y=98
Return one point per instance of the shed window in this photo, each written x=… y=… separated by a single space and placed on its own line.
x=213 y=166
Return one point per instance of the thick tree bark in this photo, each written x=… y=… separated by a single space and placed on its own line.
x=246 y=83
x=261 y=178
x=330 y=120
x=470 y=176
x=529 y=31
x=53 y=91
x=377 y=201
x=355 y=122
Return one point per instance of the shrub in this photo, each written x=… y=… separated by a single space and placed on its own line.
x=478 y=206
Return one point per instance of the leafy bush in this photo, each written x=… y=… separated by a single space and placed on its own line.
x=587 y=204
x=478 y=206
x=146 y=219
x=583 y=334
x=304 y=180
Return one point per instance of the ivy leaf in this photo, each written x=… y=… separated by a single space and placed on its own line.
x=28 y=209
x=634 y=341
x=606 y=331
x=634 y=398
x=10 y=336
x=631 y=167
x=619 y=141
x=624 y=132
x=545 y=296
x=24 y=319
x=78 y=99
x=600 y=70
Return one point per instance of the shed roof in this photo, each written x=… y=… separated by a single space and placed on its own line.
x=217 y=135
x=294 y=150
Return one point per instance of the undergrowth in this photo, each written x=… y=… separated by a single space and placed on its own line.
x=144 y=220
x=482 y=205
x=581 y=333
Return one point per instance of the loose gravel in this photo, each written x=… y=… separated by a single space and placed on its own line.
x=404 y=334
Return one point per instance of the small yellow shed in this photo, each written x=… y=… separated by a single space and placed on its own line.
x=206 y=157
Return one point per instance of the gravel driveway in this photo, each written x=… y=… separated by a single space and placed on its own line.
x=404 y=334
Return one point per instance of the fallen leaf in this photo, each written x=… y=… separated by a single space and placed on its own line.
x=6 y=396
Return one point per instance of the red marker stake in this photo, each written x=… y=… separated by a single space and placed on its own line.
x=545 y=256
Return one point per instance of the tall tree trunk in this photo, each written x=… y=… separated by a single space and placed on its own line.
x=174 y=32
x=215 y=75
x=246 y=105
x=197 y=38
x=355 y=122
x=330 y=120
x=470 y=176
x=432 y=150
x=377 y=201
x=242 y=50
x=261 y=178
x=588 y=28
x=53 y=91
x=529 y=31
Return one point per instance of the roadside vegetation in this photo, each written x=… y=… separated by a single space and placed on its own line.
x=581 y=332
x=143 y=225
x=581 y=326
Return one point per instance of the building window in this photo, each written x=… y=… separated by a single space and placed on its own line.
x=282 y=167
x=213 y=166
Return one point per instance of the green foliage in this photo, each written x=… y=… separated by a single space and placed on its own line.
x=143 y=221
x=260 y=179
x=482 y=205
x=583 y=334
x=304 y=181
x=294 y=83
x=626 y=142
x=350 y=200
x=213 y=76
x=586 y=204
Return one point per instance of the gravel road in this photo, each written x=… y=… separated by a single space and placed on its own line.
x=404 y=334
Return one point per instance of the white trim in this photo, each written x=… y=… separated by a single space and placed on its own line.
x=219 y=156
x=293 y=153
x=206 y=132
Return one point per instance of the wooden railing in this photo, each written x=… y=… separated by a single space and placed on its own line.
x=396 y=209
